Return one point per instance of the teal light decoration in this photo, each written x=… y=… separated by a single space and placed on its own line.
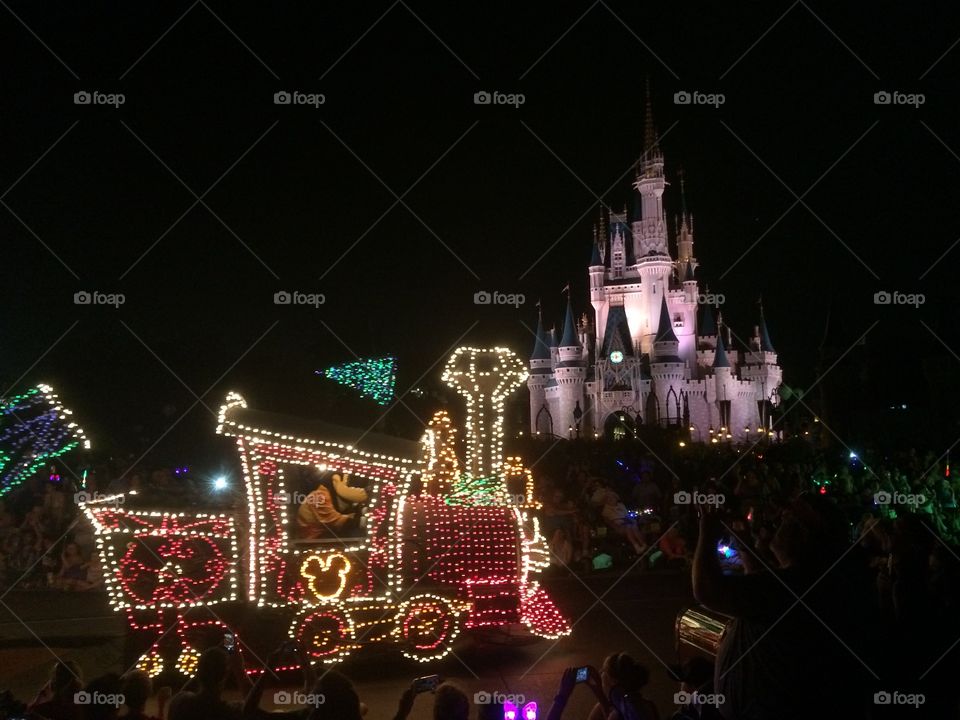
x=375 y=378
x=472 y=492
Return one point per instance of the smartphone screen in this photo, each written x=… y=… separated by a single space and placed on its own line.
x=427 y=683
x=229 y=641
x=582 y=674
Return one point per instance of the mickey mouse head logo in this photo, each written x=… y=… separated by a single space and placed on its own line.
x=326 y=577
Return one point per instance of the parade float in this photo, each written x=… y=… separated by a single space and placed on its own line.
x=351 y=539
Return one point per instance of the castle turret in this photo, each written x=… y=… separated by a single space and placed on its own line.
x=724 y=389
x=569 y=374
x=596 y=267
x=666 y=346
x=540 y=375
x=650 y=230
x=685 y=231
x=689 y=283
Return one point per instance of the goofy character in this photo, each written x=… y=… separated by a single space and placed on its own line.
x=332 y=510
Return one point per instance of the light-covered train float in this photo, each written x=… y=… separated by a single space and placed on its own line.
x=348 y=539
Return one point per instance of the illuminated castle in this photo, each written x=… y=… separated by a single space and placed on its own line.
x=655 y=351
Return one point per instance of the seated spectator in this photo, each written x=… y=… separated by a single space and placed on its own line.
x=559 y=525
x=200 y=698
x=615 y=515
x=103 y=698
x=696 y=682
x=673 y=546
x=55 y=699
x=73 y=570
x=646 y=493
x=137 y=688
x=623 y=680
x=340 y=699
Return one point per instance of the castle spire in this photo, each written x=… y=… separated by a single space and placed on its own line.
x=665 y=331
x=720 y=358
x=765 y=344
x=683 y=195
x=651 y=164
x=541 y=349
x=650 y=144
x=570 y=338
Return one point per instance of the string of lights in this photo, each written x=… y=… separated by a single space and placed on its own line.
x=35 y=428
x=375 y=378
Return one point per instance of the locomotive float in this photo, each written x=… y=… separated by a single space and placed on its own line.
x=351 y=538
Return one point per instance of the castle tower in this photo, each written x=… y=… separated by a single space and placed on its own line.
x=763 y=371
x=667 y=371
x=650 y=230
x=689 y=283
x=566 y=393
x=723 y=387
x=685 y=231
x=541 y=372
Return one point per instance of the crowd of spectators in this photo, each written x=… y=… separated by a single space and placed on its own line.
x=43 y=546
x=617 y=690
x=837 y=572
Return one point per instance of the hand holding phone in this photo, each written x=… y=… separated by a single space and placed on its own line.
x=427 y=683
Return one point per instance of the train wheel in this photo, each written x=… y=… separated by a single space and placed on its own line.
x=327 y=634
x=427 y=626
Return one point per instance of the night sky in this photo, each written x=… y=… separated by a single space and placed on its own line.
x=491 y=197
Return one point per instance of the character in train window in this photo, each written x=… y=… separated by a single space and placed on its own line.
x=333 y=509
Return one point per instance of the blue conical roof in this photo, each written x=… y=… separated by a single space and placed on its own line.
x=541 y=348
x=720 y=358
x=665 y=331
x=569 y=338
x=707 y=326
x=595 y=259
x=688 y=273
x=765 y=344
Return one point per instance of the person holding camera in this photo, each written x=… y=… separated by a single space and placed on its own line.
x=617 y=686
x=449 y=701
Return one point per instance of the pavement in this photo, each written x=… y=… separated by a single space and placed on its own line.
x=612 y=611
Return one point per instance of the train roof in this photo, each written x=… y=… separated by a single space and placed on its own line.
x=238 y=420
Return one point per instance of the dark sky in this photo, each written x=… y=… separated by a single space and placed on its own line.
x=506 y=203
